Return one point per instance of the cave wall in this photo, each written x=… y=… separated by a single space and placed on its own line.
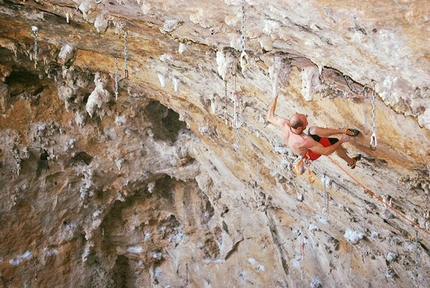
x=171 y=176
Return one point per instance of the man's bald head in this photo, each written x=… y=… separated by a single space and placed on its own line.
x=298 y=120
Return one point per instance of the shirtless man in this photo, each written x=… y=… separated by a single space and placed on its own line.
x=315 y=144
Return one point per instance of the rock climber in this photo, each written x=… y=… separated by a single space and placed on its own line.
x=317 y=142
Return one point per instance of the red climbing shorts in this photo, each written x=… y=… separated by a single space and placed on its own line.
x=324 y=141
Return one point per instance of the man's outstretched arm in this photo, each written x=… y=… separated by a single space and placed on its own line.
x=272 y=118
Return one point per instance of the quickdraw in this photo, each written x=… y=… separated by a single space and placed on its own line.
x=301 y=164
x=244 y=61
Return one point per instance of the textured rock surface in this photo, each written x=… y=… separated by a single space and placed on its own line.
x=177 y=181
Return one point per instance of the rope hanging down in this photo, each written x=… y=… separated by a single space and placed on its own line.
x=379 y=198
x=35 y=32
x=236 y=103
x=244 y=61
x=126 y=53
x=373 y=140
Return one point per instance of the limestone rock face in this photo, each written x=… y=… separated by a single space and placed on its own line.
x=135 y=152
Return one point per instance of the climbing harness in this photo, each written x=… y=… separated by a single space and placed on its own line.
x=244 y=60
x=35 y=32
x=125 y=53
x=373 y=141
x=116 y=78
x=325 y=181
x=380 y=199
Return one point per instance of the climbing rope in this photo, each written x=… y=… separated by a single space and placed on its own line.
x=244 y=60
x=116 y=78
x=373 y=141
x=35 y=32
x=125 y=53
x=379 y=198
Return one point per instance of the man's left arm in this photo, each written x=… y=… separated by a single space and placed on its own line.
x=272 y=118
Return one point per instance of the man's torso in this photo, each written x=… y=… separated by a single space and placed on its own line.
x=294 y=141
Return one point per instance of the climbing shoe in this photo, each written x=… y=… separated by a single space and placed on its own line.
x=352 y=132
x=355 y=159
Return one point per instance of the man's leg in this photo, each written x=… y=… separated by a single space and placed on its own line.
x=342 y=154
x=325 y=132
x=327 y=141
x=351 y=161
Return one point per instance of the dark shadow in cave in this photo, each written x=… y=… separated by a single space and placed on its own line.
x=165 y=121
x=122 y=275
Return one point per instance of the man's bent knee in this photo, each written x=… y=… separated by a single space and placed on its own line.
x=313 y=130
